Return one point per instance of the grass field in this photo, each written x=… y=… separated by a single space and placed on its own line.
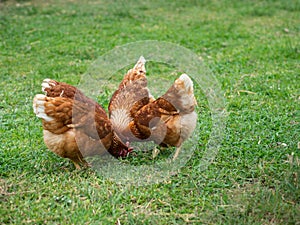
x=252 y=48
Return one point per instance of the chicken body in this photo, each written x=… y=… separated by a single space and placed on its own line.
x=74 y=126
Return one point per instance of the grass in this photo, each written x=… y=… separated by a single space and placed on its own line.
x=252 y=48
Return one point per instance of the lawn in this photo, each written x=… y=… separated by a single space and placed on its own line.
x=252 y=49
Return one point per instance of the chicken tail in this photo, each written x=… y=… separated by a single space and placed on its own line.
x=47 y=85
x=140 y=65
x=39 y=107
x=181 y=94
x=55 y=112
x=137 y=72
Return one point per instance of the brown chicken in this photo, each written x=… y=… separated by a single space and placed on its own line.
x=170 y=119
x=74 y=125
x=137 y=116
x=131 y=95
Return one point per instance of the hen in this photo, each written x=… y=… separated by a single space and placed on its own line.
x=75 y=126
x=131 y=95
x=170 y=119
x=137 y=116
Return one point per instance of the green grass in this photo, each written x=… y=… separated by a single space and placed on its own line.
x=252 y=48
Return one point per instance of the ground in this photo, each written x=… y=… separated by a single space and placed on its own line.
x=251 y=47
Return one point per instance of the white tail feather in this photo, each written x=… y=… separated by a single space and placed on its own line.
x=140 y=65
x=39 y=107
x=188 y=83
x=47 y=83
x=184 y=87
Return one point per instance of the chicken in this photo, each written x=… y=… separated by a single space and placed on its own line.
x=74 y=126
x=170 y=119
x=131 y=95
x=137 y=116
